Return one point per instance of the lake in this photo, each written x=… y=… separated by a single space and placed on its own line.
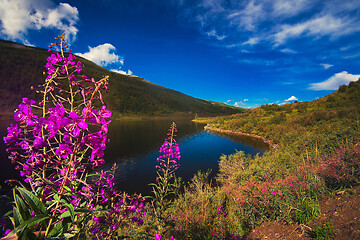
x=134 y=147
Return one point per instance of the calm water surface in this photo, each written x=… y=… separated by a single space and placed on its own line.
x=134 y=147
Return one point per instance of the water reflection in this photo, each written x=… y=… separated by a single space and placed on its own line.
x=134 y=148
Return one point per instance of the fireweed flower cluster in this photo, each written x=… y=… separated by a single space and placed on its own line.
x=165 y=181
x=54 y=144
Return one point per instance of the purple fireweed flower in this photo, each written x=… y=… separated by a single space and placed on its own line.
x=54 y=58
x=75 y=124
x=95 y=140
x=78 y=67
x=37 y=129
x=2 y=225
x=67 y=138
x=54 y=124
x=95 y=229
x=26 y=170
x=64 y=150
x=98 y=220
x=96 y=153
x=57 y=111
x=24 y=113
x=70 y=60
x=35 y=159
x=24 y=145
x=103 y=113
x=28 y=179
x=39 y=142
x=158 y=236
x=13 y=133
x=72 y=78
x=220 y=210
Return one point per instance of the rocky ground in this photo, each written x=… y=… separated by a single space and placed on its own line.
x=341 y=210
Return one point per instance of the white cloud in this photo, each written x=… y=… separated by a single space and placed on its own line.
x=239 y=104
x=292 y=98
x=290 y=8
x=288 y=50
x=103 y=55
x=252 y=41
x=326 y=25
x=213 y=33
x=326 y=66
x=17 y=17
x=129 y=72
x=272 y=22
x=249 y=17
x=335 y=81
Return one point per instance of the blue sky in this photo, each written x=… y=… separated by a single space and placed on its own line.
x=243 y=53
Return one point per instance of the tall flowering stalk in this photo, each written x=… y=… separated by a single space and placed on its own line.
x=165 y=181
x=55 y=144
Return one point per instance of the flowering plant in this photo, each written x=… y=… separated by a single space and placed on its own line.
x=165 y=181
x=55 y=144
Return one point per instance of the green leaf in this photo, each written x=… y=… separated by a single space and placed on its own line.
x=71 y=210
x=60 y=228
x=67 y=189
x=27 y=234
x=22 y=208
x=29 y=223
x=17 y=217
x=68 y=235
x=65 y=215
x=78 y=210
x=35 y=204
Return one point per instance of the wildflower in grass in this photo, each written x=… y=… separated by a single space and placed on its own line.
x=55 y=148
x=220 y=210
x=165 y=181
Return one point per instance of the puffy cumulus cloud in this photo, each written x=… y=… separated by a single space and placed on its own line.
x=242 y=103
x=239 y=104
x=335 y=81
x=17 y=17
x=128 y=72
x=326 y=66
x=292 y=98
x=103 y=55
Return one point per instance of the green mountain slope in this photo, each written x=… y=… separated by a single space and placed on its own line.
x=22 y=67
x=335 y=111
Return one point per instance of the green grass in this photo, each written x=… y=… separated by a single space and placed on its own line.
x=324 y=232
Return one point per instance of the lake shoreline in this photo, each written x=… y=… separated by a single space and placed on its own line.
x=265 y=140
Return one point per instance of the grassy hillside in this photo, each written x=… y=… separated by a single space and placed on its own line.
x=21 y=67
x=339 y=109
x=317 y=154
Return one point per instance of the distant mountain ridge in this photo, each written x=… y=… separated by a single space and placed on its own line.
x=22 y=67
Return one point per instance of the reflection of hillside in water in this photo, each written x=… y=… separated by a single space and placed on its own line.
x=245 y=140
x=131 y=139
